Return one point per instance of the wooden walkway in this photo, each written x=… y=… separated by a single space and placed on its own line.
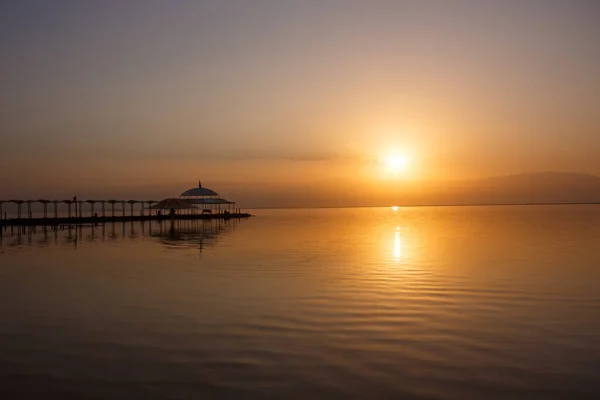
x=77 y=213
x=100 y=220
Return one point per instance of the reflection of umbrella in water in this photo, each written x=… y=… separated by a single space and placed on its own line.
x=193 y=235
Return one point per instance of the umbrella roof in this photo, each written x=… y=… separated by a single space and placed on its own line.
x=209 y=201
x=172 y=203
x=199 y=192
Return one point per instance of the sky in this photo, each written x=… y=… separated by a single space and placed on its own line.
x=125 y=96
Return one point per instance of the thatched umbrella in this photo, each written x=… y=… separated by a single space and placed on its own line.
x=131 y=203
x=29 y=208
x=79 y=207
x=45 y=203
x=212 y=202
x=91 y=203
x=18 y=203
x=103 y=202
x=68 y=203
x=55 y=202
x=173 y=204
x=150 y=202
x=112 y=204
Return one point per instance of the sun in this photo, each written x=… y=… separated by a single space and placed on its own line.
x=396 y=164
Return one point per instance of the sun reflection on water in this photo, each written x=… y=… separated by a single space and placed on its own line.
x=397 y=245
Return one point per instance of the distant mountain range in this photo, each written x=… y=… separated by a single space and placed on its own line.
x=541 y=187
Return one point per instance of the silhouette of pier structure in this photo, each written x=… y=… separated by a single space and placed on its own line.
x=100 y=211
x=195 y=203
x=174 y=234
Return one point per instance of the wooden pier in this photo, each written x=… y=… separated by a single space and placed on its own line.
x=78 y=214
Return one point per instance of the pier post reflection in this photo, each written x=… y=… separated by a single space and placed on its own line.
x=177 y=234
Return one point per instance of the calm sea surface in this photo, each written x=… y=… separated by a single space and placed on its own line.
x=372 y=303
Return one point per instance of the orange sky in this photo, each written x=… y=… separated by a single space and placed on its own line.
x=113 y=95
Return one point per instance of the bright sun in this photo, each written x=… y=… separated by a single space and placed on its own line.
x=396 y=164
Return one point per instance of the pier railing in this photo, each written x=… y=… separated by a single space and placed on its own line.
x=85 y=211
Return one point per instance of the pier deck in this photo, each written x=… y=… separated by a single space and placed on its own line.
x=80 y=211
x=52 y=221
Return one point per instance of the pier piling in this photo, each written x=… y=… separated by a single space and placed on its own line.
x=59 y=222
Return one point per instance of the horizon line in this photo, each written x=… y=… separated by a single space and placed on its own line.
x=425 y=205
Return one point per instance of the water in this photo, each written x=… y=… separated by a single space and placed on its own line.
x=423 y=303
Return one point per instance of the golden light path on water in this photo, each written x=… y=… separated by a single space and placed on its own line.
x=397 y=244
x=398 y=250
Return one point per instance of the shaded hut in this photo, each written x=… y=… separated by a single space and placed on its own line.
x=173 y=204
x=207 y=199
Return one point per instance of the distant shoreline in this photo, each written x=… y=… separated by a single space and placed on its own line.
x=421 y=205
